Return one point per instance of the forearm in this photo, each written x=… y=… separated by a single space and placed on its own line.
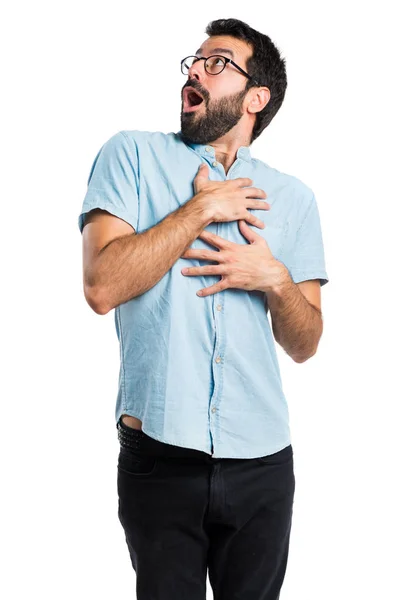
x=297 y=324
x=131 y=265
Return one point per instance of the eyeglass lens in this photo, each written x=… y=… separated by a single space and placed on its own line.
x=213 y=64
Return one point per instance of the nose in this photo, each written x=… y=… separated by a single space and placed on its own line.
x=197 y=70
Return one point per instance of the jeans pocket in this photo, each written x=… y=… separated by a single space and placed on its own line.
x=277 y=458
x=136 y=464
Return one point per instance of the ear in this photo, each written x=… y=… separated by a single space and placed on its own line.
x=259 y=99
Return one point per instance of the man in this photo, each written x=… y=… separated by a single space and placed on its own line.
x=205 y=469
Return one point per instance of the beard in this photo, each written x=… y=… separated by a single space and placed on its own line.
x=219 y=117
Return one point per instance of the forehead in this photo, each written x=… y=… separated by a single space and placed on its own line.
x=226 y=45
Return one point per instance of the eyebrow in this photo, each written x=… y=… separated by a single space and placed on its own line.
x=216 y=50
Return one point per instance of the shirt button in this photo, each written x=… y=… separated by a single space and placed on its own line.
x=208 y=149
x=219 y=307
x=218 y=359
x=213 y=409
x=215 y=163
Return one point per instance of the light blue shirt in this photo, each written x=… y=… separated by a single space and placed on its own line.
x=202 y=372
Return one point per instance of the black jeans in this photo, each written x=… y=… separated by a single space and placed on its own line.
x=183 y=512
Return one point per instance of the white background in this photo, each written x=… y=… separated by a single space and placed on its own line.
x=74 y=74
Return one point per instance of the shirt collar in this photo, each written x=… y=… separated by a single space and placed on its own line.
x=207 y=151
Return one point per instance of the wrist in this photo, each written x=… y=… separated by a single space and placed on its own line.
x=204 y=207
x=280 y=281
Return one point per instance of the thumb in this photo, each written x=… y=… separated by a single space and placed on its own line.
x=201 y=176
x=203 y=170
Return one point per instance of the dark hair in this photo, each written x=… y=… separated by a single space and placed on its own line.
x=266 y=65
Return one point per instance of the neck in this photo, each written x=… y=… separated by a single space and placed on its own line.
x=226 y=147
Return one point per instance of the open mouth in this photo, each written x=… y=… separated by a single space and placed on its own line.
x=191 y=99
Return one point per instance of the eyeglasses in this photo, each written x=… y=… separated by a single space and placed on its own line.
x=214 y=65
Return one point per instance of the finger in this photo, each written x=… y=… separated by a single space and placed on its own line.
x=259 y=204
x=201 y=254
x=215 y=240
x=202 y=171
x=255 y=221
x=206 y=270
x=250 y=234
x=254 y=192
x=242 y=181
x=213 y=289
x=202 y=176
